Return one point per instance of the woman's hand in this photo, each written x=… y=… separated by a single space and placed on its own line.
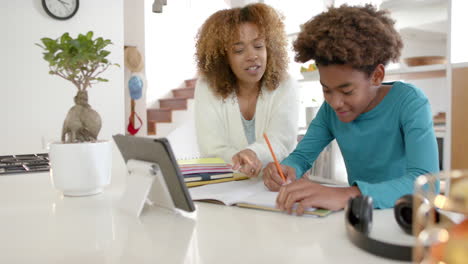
x=247 y=162
x=308 y=194
x=272 y=178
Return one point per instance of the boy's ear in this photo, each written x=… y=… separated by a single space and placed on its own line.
x=378 y=75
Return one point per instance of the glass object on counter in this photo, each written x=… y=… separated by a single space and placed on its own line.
x=441 y=217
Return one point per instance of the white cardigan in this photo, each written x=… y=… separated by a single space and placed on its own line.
x=219 y=128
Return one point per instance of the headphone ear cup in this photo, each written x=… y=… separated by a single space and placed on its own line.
x=360 y=213
x=366 y=214
x=403 y=212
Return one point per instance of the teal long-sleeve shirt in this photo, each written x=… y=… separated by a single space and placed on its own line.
x=384 y=150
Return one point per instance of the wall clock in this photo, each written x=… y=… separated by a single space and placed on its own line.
x=61 y=9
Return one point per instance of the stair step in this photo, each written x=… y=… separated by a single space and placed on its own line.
x=190 y=83
x=173 y=103
x=159 y=114
x=184 y=92
x=151 y=127
x=164 y=115
x=161 y=129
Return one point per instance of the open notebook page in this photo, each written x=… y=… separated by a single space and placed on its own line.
x=263 y=198
x=250 y=193
x=228 y=193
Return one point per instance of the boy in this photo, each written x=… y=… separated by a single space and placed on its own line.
x=384 y=130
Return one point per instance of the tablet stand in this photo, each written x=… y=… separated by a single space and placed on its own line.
x=145 y=185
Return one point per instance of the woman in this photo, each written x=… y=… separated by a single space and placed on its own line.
x=244 y=90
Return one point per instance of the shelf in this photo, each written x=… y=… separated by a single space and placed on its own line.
x=460 y=65
x=415 y=69
x=417 y=14
x=397 y=5
x=416 y=72
x=406 y=73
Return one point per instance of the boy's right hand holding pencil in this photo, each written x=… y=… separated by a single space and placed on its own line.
x=272 y=178
x=275 y=175
x=304 y=192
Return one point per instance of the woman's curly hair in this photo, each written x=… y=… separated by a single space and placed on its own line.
x=221 y=29
x=359 y=36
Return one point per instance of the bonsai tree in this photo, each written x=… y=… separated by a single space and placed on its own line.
x=79 y=60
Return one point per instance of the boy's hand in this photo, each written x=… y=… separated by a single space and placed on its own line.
x=307 y=194
x=272 y=178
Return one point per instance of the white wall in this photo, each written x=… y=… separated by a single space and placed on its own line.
x=33 y=104
x=170 y=43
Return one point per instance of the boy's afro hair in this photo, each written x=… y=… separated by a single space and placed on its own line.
x=360 y=36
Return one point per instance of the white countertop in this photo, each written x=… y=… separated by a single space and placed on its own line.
x=41 y=226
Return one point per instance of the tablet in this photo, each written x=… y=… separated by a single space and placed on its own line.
x=158 y=150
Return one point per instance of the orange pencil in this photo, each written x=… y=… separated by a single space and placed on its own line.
x=274 y=157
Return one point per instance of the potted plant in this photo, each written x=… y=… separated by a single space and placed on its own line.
x=80 y=163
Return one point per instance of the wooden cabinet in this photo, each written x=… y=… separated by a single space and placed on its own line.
x=459 y=118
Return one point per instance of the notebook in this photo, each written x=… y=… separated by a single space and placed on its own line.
x=234 y=177
x=201 y=161
x=206 y=176
x=194 y=169
x=248 y=194
x=205 y=170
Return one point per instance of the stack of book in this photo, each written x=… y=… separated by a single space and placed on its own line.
x=203 y=171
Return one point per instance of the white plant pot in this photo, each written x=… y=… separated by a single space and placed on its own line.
x=80 y=169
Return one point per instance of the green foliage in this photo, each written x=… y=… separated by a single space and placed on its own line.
x=79 y=60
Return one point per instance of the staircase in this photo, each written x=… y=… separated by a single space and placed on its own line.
x=163 y=120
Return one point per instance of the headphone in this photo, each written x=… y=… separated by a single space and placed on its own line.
x=358 y=216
